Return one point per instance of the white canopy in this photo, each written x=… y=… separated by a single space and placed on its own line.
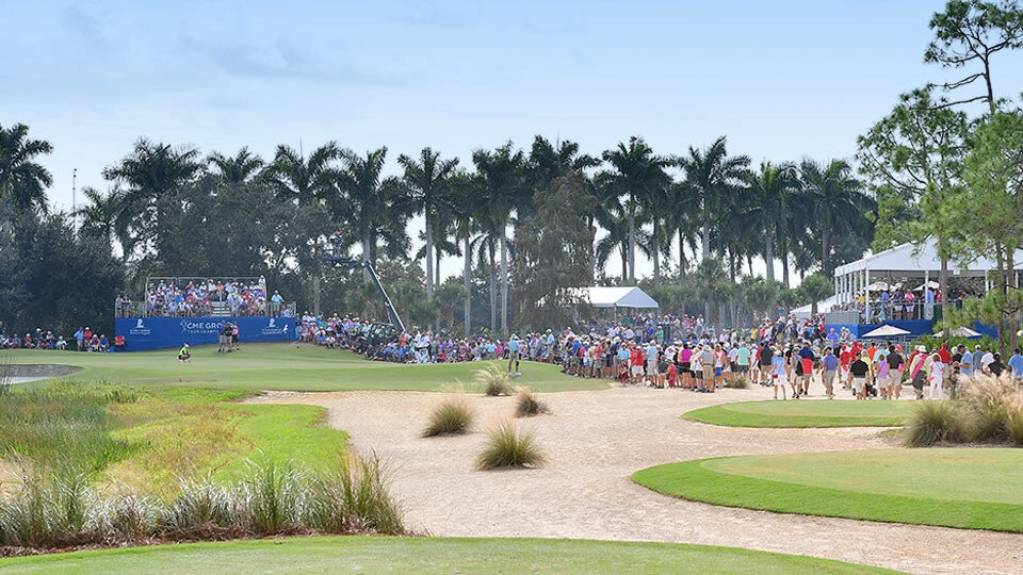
x=916 y=258
x=886 y=331
x=614 y=297
x=958 y=332
x=823 y=306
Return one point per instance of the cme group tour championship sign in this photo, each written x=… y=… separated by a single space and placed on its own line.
x=141 y=333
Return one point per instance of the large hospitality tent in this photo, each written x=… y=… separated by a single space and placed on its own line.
x=614 y=297
x=912 y=267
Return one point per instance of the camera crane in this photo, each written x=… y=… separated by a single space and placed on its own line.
x=336 y=256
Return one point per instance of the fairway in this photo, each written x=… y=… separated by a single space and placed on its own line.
x=286 y=367
x=806 y=413
x=428 y=556
x=975 y=488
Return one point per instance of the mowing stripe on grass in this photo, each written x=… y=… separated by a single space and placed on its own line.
x=695 y=481
x=805 y=413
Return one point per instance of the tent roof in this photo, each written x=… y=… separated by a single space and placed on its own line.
x=916 y=258
x=611 y=297
x=823 y=306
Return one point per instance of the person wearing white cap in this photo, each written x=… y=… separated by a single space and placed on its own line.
x=184 y=354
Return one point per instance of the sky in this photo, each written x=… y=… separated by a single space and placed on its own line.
x=783 y=80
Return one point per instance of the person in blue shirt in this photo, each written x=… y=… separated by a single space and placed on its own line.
x=513 y=354
x=1016 y=364
x=830 y=365
x=966 y=363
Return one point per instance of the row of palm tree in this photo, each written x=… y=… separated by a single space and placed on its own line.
x=705 y=201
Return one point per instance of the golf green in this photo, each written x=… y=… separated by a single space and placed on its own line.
x=976 y=488
x=806 y=413
x=260 y=367
x=427 y=556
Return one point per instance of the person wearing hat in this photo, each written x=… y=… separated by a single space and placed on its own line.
x=513 y=355
x=184 y=354
x=779 y=371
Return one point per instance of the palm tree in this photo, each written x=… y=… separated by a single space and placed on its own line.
x=303 y=180
x=376 y=209
x=151 y=172
x=21 y=178
x=639 y=175
x=428 y=181
x=767 y=198
x=501 y=175
x=466 y=203
x=99 y=218
x=839 y=204
x=679 y=221
x=236 y=169
x=713 y=177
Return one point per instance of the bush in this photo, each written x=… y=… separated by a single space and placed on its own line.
x=453 y=417
x=527 y=405
x=987 y=403
x=935 y=422
x=506 y=447
x=200 y=508
x=271 y=498
x=493 y=380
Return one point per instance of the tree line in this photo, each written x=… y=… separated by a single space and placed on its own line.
x=530 y=223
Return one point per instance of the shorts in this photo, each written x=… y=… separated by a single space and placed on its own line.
x=740 y=368
x=883 y=381
x=718 y=371
x=708 y=372
x=651 y=367
x=858 y=383
x=829 y=378
x=684 y=366
x=637 y=370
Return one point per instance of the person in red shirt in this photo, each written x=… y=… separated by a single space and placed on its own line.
x=945 y=354
x=636 y=361
x=845 y=359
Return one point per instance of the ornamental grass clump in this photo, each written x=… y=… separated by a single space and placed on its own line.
x=738 y=382
x=988 y=404
x=508 y=448
x=527 y=404
x=352 y=498
x=493 y=380
x=453 y=417
x=935 y=422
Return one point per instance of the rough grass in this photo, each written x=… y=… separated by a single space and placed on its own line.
x=527 y=404
x=973 y=488
x=934 y=422
x=452 y=417
x=431 y=556
x=493 y=380
x=507 y=447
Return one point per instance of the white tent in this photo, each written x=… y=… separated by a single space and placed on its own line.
x=957 y=332
x=886 y=331
x=823 y=306
x=614 y=297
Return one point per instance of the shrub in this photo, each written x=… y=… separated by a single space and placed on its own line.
x=506 y=447
x=1014 y=426
x=739 y=382
x=201 y=507
x=493 y=380
x=986 y=403
x=353 y=498
x=453 y=417
x=527 y=405
x=934 y=422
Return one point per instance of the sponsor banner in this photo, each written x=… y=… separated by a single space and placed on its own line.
x=141 y=333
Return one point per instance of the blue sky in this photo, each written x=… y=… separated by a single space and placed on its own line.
x=782 y=79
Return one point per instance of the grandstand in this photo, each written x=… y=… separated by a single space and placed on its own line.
x=194 y=310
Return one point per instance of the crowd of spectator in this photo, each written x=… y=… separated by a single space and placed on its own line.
x=184 y=297
x=84 y=339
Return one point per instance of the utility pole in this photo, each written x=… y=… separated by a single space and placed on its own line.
x=74 y=199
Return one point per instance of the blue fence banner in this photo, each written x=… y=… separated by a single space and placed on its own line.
x=142 y=333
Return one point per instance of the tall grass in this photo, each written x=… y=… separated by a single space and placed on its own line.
x=507 y=447
x=64 y=425
x=988 y=410
x=453 y=417
x=527 y=404
x=53 y=511
x=493 y=380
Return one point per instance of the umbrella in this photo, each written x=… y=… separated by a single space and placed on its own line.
x=886 y=331
x=958 y=332
x=878 y=286
x=929 y=285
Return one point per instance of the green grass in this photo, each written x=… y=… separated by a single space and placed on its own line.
x=806 y=413
x=259 y=367
x=428 y=556
x=974 y=488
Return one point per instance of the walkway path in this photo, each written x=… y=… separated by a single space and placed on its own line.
x=594 y=442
